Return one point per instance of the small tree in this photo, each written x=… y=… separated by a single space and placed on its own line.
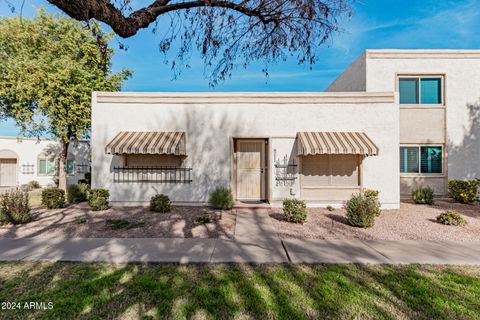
x=49 y=67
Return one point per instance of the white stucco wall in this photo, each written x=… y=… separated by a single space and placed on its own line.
x=211 y=126
x=28 y=151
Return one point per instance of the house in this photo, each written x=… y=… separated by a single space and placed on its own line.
x=25 y=159
x=394 y=120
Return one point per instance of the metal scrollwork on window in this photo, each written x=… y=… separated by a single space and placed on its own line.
x=285 y=172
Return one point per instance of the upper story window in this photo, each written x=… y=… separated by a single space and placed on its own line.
x=421 y=90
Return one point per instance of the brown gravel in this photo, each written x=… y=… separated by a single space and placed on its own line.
x=410 y=222
x=77 y=221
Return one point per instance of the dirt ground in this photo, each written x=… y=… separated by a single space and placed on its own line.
x=410 y=222
x=77 y=221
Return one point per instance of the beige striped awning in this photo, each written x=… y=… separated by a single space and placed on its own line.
x=147 y=142
x=335 y=143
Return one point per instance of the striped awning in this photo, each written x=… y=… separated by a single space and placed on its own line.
x=147 y=142
x=335 y=143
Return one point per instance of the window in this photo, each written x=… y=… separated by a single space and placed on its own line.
x=330 y=170
x=421 y=159
x=420 y=90
x=46 y=167
x=70 y=167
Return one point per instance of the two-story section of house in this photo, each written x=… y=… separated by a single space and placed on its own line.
x=439 y=102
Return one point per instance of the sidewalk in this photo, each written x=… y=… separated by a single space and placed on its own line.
x=255 y=241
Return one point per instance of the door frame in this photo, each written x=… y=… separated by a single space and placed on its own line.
x=265 y=185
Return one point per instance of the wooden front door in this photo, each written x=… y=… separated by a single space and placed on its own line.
x=251 y=170
x=8 y=172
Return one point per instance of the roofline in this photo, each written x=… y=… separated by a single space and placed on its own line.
x=34 y=139
x=243 y=97
x=422 y=53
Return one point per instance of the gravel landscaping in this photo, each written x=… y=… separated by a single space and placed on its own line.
x=410 y=222
x=77 y=221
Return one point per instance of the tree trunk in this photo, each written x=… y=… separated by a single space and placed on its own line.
x=62 y=170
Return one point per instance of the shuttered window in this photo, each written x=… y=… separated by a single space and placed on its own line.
x=330 y=170
x=421 y=159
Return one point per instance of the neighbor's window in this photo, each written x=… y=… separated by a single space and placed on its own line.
x=46 y=167
x=70 y=167
x=421 y=159
x=420 y=90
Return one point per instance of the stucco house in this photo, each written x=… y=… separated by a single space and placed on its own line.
x=30 y=159
x=394 y=120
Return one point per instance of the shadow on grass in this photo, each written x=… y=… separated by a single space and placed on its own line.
x=81 y=290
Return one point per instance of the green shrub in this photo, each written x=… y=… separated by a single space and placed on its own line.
x=362 y=210
x=88 y=178
x=294 y=210
x=160 y=203
x=34 y=184
x=423 y=195
x=77 y=193
x=464 y=191
x=451 y=218
x=330 y=208
x=53 y=198
x=373 y=195
x=221 y=198
x=14 y=207
x=98 y=199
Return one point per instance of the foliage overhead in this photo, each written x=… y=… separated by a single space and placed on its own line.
x=50 y=66
x=227 y=34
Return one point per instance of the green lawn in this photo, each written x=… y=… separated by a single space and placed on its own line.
x=105 y=291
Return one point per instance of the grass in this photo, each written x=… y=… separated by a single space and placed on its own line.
x=285 y=291
x=35 y=198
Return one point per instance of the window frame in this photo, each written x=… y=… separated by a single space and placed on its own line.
x=420 y=173
x=419 y=78
x=47 y=160
x=73 y=167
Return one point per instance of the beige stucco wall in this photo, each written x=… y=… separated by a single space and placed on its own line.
x=211 y=124
x=28 y=151
x=352 y=79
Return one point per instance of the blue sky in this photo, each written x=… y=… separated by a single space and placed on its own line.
x=375 y=24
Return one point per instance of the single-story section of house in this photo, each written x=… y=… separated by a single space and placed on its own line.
x=320 y=147
x=30 y=159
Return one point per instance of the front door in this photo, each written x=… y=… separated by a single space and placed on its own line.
x=250 y=170
x=8 y=172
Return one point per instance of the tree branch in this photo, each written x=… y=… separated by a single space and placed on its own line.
x=125 y=27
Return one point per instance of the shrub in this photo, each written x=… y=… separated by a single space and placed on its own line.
x=53 y=198
x=98 y=199
x=14 y=207
x=221 y=198
x=34 y=184
x=160 y=203
x=373 y=195
x=362 y=210
x=451 y=218
x=464 y=191
x=294 y=210
x=88 y=178
x=330 y=208
x=423 y=195
x=77 y=193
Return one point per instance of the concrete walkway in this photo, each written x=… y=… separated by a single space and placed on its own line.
x=255 y=241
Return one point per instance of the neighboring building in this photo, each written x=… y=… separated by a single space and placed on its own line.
x=439 y=110
x=25 y=159
x=386 y=124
